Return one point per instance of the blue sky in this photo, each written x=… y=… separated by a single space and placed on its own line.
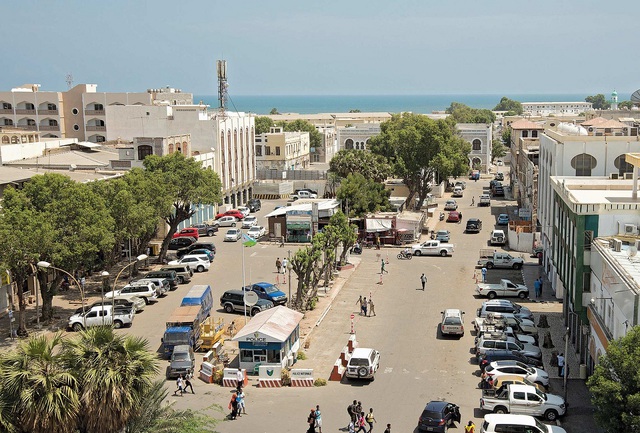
x=352 y=47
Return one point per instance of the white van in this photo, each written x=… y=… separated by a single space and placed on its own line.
x=452 y=322
x=507 y=423
x=457 y=191
x=485 y=200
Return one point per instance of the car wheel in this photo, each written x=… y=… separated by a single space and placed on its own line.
x=146 y=300
x=228 y=308
x=517 y=266
x=550 y=415
x=522 y=295
x=443 y=253
x=418 y=253
x=117 y=324
x=489 y=265
x=210 y=233
x=409 y=256
x=233 y=224
x=255 y=311
x=500 y=410
x=491 y=295
x=200 y=268
x=77 y=327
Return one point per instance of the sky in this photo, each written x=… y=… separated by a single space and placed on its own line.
x=341 y=47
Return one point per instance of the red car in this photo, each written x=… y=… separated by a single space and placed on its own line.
x=233 y=212
x=454 y=217
x=188 y=232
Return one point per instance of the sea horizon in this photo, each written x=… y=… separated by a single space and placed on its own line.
x=423 y=104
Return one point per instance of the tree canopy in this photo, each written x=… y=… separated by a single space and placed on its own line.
x=615 y=385
x=599 y=102
x=498 y=149
x=462 y=113
x=626 y=105
x=509 y=105
x=371 y=166
x=274 y=111
x=361 y=195
x=315 y=138
x=263 y=124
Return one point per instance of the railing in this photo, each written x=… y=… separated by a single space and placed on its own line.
x=25 y=111
x=49 y=128
x=273 y=174
x=94 y=112
x=28 y=127
x=6 y=111
x=96 y=128
x=43 y=112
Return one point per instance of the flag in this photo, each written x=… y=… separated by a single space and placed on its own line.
x=248 y=241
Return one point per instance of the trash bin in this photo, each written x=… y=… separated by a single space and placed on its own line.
x=583 y=371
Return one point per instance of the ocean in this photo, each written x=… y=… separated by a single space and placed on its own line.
x=423 y=104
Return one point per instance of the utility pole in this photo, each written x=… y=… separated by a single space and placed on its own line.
x=289 y=267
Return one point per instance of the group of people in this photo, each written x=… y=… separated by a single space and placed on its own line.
x=281 y=266
x=236 y=404
x=314 y=420
x=366 y=306
x=183 y=383
x=358 y=419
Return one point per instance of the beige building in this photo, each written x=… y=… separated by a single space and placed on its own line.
x=280 y=150
x=133 y=154
x=356 y=136
x=524 y=135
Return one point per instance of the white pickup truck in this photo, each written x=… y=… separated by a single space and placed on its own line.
x=432 y=248
x=504 y=288
x=102 y=315
x=495 y=259
x=523 y=400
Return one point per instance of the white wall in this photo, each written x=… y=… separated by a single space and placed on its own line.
x=17 y=152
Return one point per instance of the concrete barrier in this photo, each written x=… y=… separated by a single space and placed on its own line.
x=207 y=371
x=229 y=378
x=337 y=371
x=302 y=377
x=270 y=376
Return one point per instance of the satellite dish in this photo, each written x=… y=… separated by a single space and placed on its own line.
x=250 y=298
x=635 y=97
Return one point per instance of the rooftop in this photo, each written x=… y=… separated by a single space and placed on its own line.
x=626 y=261
x=278 y=322
x=596 y=191
x=525 y=124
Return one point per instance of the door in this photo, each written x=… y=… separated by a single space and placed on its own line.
x=277 y=229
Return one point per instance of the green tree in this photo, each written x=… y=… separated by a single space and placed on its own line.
x=315 y=138
x=498 y=150
x=360 y=196
x=506 y=136
x=462 y=113
x=346 y=233
x=274 y=111
x=615 y=385
x=509 y=105
x=263 y=124
x=186 y=183
x=371 y=166
x=304 y=264
x=112 y=371
x=37 y=394
x=626 y=105
x=599 y=102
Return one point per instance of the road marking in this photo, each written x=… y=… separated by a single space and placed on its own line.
x=388 y=370
x=253 y=254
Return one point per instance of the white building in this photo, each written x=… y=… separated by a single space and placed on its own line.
x=356 y=136
x=480 y=136
x=555 y=108
x=282 y=150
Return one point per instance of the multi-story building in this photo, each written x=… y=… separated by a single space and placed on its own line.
x=524 y=136
x=282 y=150
x=28 y=108
x=480 y=136
x=356 y=136
x=556 y=108
x=132 y=154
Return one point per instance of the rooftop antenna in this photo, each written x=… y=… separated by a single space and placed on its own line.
x=222 y=86
x=69 y=80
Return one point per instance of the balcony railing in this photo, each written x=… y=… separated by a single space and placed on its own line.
x=49 y=128
x=43 y=112
x=25 y=111
x=28 y=127
x=6 y=111
x=94 y=112
x=96 y=128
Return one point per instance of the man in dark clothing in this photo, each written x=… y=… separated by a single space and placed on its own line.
x=311 y=420
x=351 y=410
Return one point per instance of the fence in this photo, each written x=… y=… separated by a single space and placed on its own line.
x=273 y=174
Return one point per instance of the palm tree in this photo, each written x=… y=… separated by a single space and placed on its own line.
x=113 y=372
x=37 y=394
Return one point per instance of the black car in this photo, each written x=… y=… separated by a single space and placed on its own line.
x=501 y=355
x=474 y=225
x=170 y=276
x=438 y=416
x=233 y=300
x=205 y=229
x=196 y=246
x=498 y=191
x=181 y=242
x=254 y=205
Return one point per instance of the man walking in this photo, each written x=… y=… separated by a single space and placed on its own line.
x=285 y=262
x=382 y=270
x=278 y=264
x=187 y=382
x=561 y=365
x=318 y=418
x=364 y=307
x=240 y=379
x=359 y=301
x=179 y=385
x=423 y=280
x=388 y=429
x=372 y=307
x=351 y=410
x=537 y=286
x=370 y=419
x=484 y=274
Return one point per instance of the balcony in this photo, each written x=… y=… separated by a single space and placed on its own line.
x=96 y=128
x=6 y=111
x=25 y=111
x=43 y=112
x=49 y=128
x=28 y=127
x=94 y=112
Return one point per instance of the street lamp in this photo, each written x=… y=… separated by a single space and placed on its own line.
x=115 y=283
x=289 y=267
x=105 y=281
x=47 y=265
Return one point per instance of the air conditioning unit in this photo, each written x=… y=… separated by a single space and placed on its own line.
x=630 y=229
x=614 y=176
x=628 y=175
x=617 y=245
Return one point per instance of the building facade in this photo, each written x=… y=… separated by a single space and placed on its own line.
x=555 y=108
x=524 y=139
x=480 y=136
x=356 y=136
x=282 y=150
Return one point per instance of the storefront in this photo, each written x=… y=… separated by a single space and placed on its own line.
x=299 y=226
x=271 y=337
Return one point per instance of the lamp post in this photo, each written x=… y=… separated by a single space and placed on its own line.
x=105 y=281
x=115 y=283
x=289 y=267
x=47 y=265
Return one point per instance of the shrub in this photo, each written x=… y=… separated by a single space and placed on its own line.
x=319 y=382
x=286 y=377
x=301 y=356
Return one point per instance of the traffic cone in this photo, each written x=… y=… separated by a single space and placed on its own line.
x=278 y=278
x=284 y=278
x=380 y=282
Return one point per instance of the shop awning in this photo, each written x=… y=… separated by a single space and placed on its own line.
x=378 y=225
x=297 y=225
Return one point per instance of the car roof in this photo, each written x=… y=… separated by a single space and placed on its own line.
x=436 y=405
x=452 y=312
x=494 y=418
x=361 y=352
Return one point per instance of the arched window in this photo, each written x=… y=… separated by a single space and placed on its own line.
x=622 y=165
x=144 y=151
x=476 y=144
x=583 y=164
x=5 y=139
x=15 y=139
x=348 y=144
x=170 y=148
x=476 y=163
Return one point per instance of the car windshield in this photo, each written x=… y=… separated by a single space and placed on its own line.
x=232 y=232
x=270 y=289
x=357 y=362
x=452 y=321
x=180 y=356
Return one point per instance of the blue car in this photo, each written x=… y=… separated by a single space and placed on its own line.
x=503 y=219
x=270 y=292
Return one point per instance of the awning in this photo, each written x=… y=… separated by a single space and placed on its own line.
x=297 y=225
x=378 y=225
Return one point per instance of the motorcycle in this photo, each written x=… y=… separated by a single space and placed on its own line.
x=356 y=249
x=403 y=255
x=441 y=216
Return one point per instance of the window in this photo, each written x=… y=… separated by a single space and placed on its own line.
x=31 y=122
x=29 y=106
x=53 y=122
x=100 y=139
x=52 y=107
x=476 y=144
x=6 y=106
x=76 y=127
x=74 y=112
x=267 y=150
x=8 y=122
x=525 y=134
x=277 y=150
x=622 y=165
x=348 y=144
x=583 y=164
x=100 y=107
x=258 y=150
x=5 y=139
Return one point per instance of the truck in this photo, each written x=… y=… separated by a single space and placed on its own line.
x=211 y=333
x=102 y=315
x=503 y=288
x=432 y=248
x=523 y=400
x=183 y=362
x=495 y=259
x=200 y=294
x=183 y=327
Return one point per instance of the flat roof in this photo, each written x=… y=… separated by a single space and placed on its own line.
x=595 y=190
x=627 y=260
x=323 y=204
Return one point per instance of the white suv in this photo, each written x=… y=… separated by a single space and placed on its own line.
x=452 y=322
x=508 y=423
x=363 y=364
x=199 y=262
x=146 y=291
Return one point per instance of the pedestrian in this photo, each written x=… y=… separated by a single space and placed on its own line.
x=370 y=419
x=187 y=382
x=233 y=405
x=358 y=407
x=364 y=307
x=361 y=424
x=352 y=427
x=388 y=429
x=484 y=274
x=473 y=201
x=285 y=262
x=359 y=301
x=377 y=241
x=179 y=385
x=382 y=270
x=278 y=264
x=423 y=280
x=470 y=427
x=537 y=286
x=311 y=420
x=240 y=379
x=460 y=219
x=318 y=418
x=83 y=281
x=240 y=402
x=372 y=307
x=351 y=410
x=561 y=365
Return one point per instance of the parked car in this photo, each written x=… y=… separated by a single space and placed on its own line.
x=438 y=416
x=198 y=262
x=170 y=276
x=256 y=232
x=233 y=301
x=503 y=342
x=102 y=315
x=162 y=284
x=432 y=248
x=226 y=221
x=461 y=183
x=146 y=291
x=499 y=176
x=498 y=191
x=232 y=212
x=497 y=238
x=474 y=225
x=454 y=217
x=181 y=242
x=450 y=205
x=516 y=380
x=254 y=204
x=517 y=368
x=249 y=222
x=183 y=272
x=205 y=229
x=503 y=219
x=443 y=235
x=452 y=322
x=268 y=291
x=187 y=232
x=197 y=245
x=233 y=235
x=303 y=194
x=245 y=210
x=363 y=364
x=497 y=423
x=198 y=251
x=485 y=200
x=504 y=306
x=503 y=355
x=134 y=303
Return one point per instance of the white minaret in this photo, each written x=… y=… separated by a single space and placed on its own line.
x=614 y=100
